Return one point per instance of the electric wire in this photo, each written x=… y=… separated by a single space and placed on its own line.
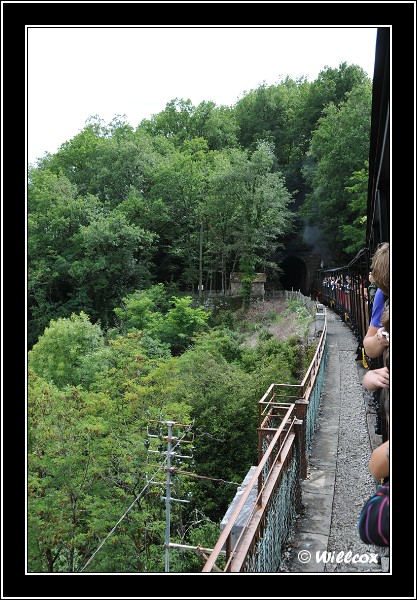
x=204 y=477
x=121 y=519
x=130 y=507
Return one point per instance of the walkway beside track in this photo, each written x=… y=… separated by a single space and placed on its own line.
x=339 y=481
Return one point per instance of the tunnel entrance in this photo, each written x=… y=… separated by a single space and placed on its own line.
x=294 y=275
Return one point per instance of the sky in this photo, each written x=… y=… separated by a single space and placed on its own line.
x=74 y=73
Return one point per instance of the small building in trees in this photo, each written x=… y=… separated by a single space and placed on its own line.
x=258 y=284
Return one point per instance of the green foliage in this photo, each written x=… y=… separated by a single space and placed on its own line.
x=154 y=348
x=247 y=210
x=87 y=466
x=107 y=160
x=172 y=327
x=273 y=360
x=181 y=324
x=70 y=352
x=308 y=354
x=139 y=308
x=202 y=532
x=87 y=459
x=180 y=182
x=106 y=264
x=265 y=335
x=55 y=215
x=304 y=317
x=354 y=233
x=220 y=340
x=298 y=307
x=224 y=413
x=247 y=269
x=128 y=364
x=339 y=146
x=60 y=476
x=180 y=121
x=188 y=194
x=222 y=316
x=123 y=224
x=150 y=214
x=261 y=115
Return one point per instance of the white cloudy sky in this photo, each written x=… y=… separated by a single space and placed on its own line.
x=77 y=72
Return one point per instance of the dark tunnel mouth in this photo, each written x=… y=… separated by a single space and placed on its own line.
x=294 y=272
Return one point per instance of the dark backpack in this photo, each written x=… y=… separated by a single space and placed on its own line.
x=374 y=520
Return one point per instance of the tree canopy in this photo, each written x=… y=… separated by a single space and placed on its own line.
x=126 y=226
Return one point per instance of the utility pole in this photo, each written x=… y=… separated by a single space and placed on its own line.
x=169 y=453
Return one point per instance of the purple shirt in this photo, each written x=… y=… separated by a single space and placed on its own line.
x=377 y=309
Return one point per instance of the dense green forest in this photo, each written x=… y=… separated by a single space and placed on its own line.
x=125 y=228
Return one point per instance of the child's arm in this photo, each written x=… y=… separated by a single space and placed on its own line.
x=376 y=378
x=379 y=462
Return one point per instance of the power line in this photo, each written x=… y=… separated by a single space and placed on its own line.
x=121 y=518
x=204 y=477
x=133 y=503
x=169 y=471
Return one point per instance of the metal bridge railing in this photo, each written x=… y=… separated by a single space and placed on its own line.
x=287 y=416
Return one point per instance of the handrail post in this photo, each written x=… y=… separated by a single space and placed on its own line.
x=298 y=428
x=301 y=413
